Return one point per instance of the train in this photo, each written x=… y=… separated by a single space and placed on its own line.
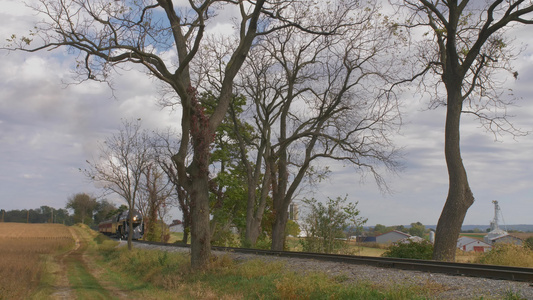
x=118 y=226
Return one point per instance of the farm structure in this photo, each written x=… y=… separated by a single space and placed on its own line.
x=391 y=237
x=497 y=235
x=506 y=239
x=176 y=226
x=469 y=244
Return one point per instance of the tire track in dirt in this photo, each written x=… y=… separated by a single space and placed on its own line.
x=77 y=255
x=62 y=286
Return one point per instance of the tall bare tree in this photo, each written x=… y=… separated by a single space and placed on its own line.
x=317 y=98
x=165 y=145
x=155 y=194
x=464 y=48
x=122 y=160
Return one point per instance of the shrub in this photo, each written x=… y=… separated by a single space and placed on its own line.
x=508 y=255
x=529 y=243
x=159 y=233
x=415 y=250
x=325 y=224
x=225 y=238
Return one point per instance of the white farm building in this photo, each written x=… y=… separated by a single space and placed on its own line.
x=469 y=244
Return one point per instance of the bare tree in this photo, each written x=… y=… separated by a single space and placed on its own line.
x=123 y=159
x=465 y=48
x=165 y=145
x=317 y=98
x=155 y=194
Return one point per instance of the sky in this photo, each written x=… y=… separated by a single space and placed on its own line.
x=48 y=129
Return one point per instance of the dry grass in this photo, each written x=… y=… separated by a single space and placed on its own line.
x=467 y=257
x=508 y=255
x=22 y=247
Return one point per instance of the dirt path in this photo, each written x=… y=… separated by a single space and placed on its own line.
x=78 y=274
x=63 y=289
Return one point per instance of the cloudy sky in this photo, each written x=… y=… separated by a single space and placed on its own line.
x=48 y=129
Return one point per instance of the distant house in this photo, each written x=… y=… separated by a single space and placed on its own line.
x=469 y=244
x=501 y=237
x=507 y=239
x=391 y=237
x=176 y=226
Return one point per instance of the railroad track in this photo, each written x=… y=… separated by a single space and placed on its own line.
x=458 y=269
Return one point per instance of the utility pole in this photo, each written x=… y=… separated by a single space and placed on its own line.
x=28 y=216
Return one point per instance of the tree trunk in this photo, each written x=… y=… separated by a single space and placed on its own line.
x=278 y=229
x=460 y=197
x=186 y=229
x=130 y=228
x=253 y=229
x=254 y=213
x=200 y=233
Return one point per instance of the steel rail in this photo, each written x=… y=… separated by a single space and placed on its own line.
x=451 y=268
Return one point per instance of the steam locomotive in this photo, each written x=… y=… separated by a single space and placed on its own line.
x=118 y=225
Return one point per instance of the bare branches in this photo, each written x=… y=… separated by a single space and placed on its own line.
x=467 y=44
x=319 y=97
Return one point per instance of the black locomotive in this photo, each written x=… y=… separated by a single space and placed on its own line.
x=118 y=225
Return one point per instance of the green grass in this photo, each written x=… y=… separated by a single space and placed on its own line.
x=168 y=276
x=84 y=284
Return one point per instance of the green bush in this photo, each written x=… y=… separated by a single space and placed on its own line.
x=157 y=232
x=325 y=224
x=225 y=238
x=415 y=250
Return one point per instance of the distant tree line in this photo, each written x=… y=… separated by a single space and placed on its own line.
x=415 y=229
x=43 y=214
x=80 y=208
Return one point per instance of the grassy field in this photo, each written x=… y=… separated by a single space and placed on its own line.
x=49 y=261
x=57 y=262
x=25 y=250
